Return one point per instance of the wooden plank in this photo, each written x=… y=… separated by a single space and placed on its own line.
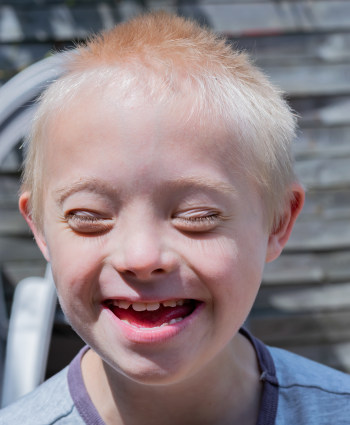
x=55 y=22
x=153 y=3
x=258 y=18
x=303 y=299
x=324 y=111
x=18 y=249
x=319 y=236
x=336 y=113
x=12 y=223
x=18 y=270
x=9 y=186
x=150 y=3
x=31 y=3
x=13 y=161
x=324 y=173
x=327 y=205
x=314 y=328
x=293 y=270
x=333 y=355
x=322 y=142
x=64 y=346
x=314 y=79
x=61 y=22
x=296 y=49
x=308 y=268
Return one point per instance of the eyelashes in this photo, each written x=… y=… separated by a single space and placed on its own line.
x=93 y=223
x=197 y=220
x=88 y=222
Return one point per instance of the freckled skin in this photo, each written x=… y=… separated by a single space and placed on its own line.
x=140 y=231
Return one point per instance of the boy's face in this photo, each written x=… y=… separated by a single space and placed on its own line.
x=140 y=208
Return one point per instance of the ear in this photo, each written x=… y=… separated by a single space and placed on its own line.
x=279 y=237
x=23 y=204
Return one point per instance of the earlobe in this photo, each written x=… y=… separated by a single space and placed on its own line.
x=23 y=204
x=280 y=235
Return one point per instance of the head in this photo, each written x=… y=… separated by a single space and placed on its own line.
x=162 y=58
x=159 y=179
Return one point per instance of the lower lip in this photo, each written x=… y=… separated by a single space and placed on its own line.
x=153 y=335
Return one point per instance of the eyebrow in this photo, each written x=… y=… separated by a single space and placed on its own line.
x=101 y=187
x=204 y=183
x=87 y=185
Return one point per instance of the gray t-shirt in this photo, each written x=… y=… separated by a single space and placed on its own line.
x=295 y=391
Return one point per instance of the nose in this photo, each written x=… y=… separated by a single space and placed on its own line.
x=142 y=252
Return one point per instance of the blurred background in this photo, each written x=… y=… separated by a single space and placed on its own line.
x=304 y=46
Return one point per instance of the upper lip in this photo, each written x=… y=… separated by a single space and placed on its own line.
x=153 y=304
x=148 y=300
x=166 y=302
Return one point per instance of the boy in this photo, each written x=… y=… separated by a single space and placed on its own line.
x=158 y=182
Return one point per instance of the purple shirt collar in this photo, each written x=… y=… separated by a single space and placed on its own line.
x=269 y=400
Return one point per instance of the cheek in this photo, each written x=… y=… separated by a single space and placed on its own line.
x=76 y=267
x=241 y=256
x=232 y=268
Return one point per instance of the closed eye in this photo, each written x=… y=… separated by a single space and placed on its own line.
x=197 y=220
x=88 y=222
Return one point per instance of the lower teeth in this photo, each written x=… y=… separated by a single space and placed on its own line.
x=172 y=322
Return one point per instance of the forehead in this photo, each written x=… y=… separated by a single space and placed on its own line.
x=124 y=150
x=95 y=118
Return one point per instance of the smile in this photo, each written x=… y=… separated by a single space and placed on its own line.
x=146 y=315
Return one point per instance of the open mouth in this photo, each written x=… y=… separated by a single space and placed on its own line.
x=152 y=314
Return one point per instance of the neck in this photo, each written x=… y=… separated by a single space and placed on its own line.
x=227 y=391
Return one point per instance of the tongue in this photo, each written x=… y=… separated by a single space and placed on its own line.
x=149 y=319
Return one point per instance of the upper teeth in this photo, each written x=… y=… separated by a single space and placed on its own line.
x=138 y=306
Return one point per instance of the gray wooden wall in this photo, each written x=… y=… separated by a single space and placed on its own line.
x=304 y=46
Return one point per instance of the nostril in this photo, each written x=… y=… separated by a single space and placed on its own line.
x=129 y=273
x=142 y=274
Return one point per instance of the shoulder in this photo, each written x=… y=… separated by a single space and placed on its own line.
x=293 y=370
x=309 y=392
x=48 y=404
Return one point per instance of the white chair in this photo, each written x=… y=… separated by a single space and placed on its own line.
x=32 y=315
x=29 y=336
x=3 y=330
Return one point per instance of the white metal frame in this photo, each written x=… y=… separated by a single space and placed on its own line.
x=33 y=309
x=29 y=336
x=18 y=100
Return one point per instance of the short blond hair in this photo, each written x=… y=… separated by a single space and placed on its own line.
x=162 y=56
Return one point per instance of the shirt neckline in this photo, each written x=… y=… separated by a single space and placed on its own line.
x=268 y=405
x=269 y=399
x=78 y=391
